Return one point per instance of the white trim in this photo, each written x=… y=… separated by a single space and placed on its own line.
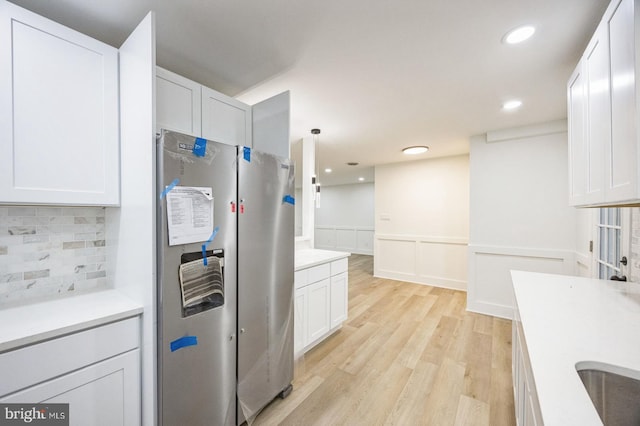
x=583 y=260
x=423 y=279
x=547 y=128
x=423 y=239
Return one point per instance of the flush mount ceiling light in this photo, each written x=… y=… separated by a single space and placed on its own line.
x=511 y=105
x=518 y=35
x=414 y=150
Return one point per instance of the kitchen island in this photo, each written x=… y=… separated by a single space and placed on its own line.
x=321 y=296
x=564 y=324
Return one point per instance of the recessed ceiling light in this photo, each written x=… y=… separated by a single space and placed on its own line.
x=327 y=170
x=511 y=105
x=414 y=150
x=518 y=35
x=361 y=179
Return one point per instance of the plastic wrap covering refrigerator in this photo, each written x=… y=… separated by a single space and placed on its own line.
x=225 y=281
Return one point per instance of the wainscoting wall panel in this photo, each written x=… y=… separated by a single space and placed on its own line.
x=436 y=261
x=491 y=291
x=358 y=240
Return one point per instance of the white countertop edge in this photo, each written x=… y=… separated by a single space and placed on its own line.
x=36 y=322
x=306 y=258
x=573 y=322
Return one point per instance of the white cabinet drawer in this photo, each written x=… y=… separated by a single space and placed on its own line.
x=318 y=273
x=66 y=354
x=339 y=266
x=301 y=278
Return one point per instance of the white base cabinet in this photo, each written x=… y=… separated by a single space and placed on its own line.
x=59 y=132
x=96 y=371
x=321 y=302
x=524 y=390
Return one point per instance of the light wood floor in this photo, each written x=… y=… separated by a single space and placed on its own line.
x=409 y=354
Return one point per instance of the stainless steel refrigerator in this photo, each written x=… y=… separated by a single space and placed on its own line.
x=225 y=280
x=265 y=279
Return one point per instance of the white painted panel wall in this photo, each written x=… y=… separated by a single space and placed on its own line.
x=345 y=220
x=519 y=212
x=131 y=229
x=422 y=221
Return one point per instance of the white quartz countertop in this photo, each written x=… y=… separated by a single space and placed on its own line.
x=28 y=324
x=571 y=321
x=307 y=258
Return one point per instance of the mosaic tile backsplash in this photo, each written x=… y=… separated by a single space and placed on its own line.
x=50 y=252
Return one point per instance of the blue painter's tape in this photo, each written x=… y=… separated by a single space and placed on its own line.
x=206 y=243
x=169 y=188
x=289 y=199
x=183 y=342
x=204 y=254
x=246 y=152
x=200 y=147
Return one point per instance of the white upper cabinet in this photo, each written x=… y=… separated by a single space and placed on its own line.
x=622 y=177
x=59 y=132
x=178 y=103
x=578 y=172
x=270 y=125
x=225 y=119
x=187 y=107
x=603 y=117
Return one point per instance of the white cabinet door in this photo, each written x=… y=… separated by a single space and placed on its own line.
x=301 y=302
x=58 y=113
x=178 y=103
x=576 y=105
x=270 y=125
x=622 y=159
x=225 y=119
x=318 y=322
x=106 y=393
x=598 y=136
x=339 y=299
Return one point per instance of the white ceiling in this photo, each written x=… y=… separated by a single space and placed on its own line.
x=374 y=76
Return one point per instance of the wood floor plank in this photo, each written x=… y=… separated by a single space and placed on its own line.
x=472 y=412
x=276 y=412
x=440 y=340
x=410 y=404
x=442 y=406
x=409 y=354
x=477 y=379
x=501 y=398
x=483 y=324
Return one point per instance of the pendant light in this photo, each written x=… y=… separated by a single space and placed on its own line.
x=315 y=180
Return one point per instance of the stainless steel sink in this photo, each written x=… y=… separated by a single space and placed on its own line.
x=616 y=397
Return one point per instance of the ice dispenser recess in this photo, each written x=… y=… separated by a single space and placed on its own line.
x=201 y=286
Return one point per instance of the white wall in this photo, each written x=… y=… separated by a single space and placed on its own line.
x=422 y=221
x=519 y=213
x=345 y=219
